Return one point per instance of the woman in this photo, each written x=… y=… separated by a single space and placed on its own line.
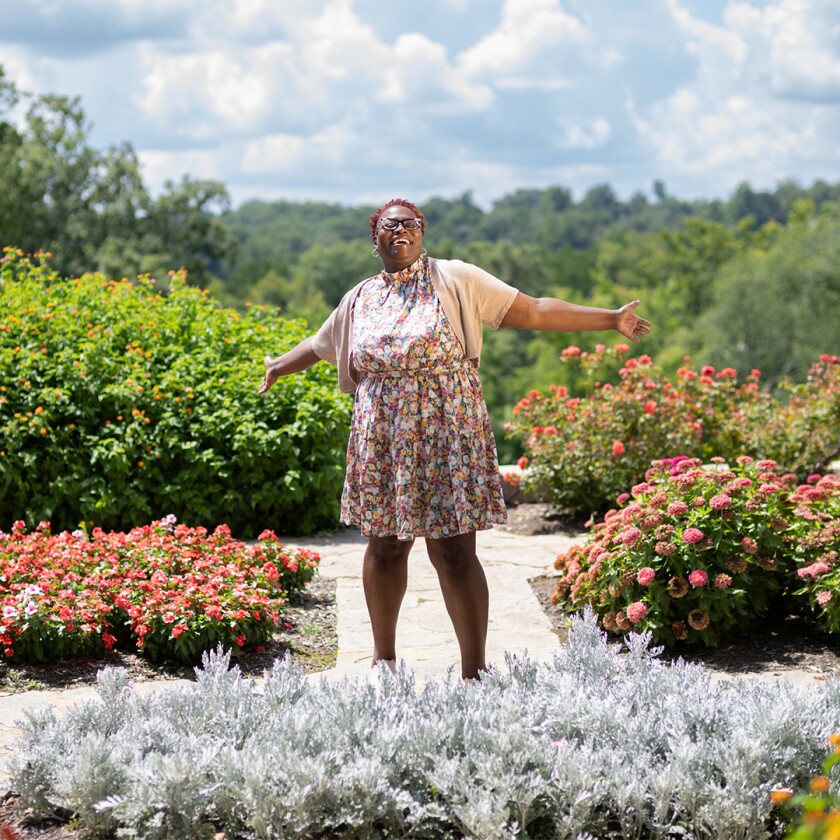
x=421 y=460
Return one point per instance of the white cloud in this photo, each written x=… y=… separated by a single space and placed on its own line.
x=342 y=99
x=527 y=28
x=159 y=167
x=747 y=111
x=795 y=42
x=288 y=153
x=585 y=136
x=233 y=90
x=17 y=70
x=273 y=153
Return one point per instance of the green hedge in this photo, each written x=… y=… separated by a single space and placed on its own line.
x=120 y=404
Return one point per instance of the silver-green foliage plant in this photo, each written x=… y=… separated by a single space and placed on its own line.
x=603 y=742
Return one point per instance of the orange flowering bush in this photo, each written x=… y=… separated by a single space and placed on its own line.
x=586 y=450
x=118 y=402
x=814 y=813
x=693 y=554
x=168 y=590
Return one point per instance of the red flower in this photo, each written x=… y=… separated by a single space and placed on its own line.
x=692 y=535
x=698 y=578
x=617 y=447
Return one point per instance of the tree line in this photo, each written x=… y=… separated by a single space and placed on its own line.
x=751 y=281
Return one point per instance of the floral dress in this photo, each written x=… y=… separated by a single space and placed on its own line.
x=421 y=460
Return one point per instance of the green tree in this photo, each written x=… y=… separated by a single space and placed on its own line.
x=777 y=308
x=90 y=208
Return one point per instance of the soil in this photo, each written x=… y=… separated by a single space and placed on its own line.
x=782 y=643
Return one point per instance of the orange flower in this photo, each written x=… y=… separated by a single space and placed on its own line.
x=820 y=784
x=778 y=796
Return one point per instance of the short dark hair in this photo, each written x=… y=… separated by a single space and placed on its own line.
x=374 y=217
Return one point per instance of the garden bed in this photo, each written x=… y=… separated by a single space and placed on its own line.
x=782 y=643
x=308 y=635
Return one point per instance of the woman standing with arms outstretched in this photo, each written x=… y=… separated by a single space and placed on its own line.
x=421 y=459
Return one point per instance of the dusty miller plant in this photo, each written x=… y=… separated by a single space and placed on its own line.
x=603 y=742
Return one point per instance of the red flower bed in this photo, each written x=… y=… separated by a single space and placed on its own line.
x=169 y=590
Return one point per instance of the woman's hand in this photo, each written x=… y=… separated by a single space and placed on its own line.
x=298 y=359
x=272 y=374
x=629 y=324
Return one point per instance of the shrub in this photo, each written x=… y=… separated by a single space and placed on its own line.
x=595 y=743
x=815 y=813
x=815 y=547
x=170 y=590
x=694 y=554
x=584 y=451
x=119 y=403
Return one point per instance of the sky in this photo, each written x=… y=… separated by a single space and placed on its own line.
x=356 y=101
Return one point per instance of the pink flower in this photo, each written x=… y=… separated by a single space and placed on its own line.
x=722 y=581
x=636 y=612
x=767 y=465
x=769 y=488
x=823 y=598
x=571 y=350
x=813 y=571
x=522 y=462
x=720 y=502
x=698 y=578
x=622 y=498
x=749 y=545
x=646 y=576
x=617 y=447
x=677 y=508
x=692 y=535
x=630 y=536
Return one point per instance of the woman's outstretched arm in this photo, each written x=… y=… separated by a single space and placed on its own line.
x=298 y=359
x=555 y=315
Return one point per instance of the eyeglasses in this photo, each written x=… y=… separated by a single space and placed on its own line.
x=408 y=224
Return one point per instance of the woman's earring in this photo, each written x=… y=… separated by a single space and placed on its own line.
x=424 y=253
x=375 y=252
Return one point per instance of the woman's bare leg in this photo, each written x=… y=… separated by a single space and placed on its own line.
x=465 y=594
x=385 y=576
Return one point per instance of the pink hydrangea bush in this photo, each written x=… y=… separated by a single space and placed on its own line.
x=167 y=590
x=815 y=542
x=694 y=553
x=584 y=449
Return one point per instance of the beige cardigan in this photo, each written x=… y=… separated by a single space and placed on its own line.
x=470 y=298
